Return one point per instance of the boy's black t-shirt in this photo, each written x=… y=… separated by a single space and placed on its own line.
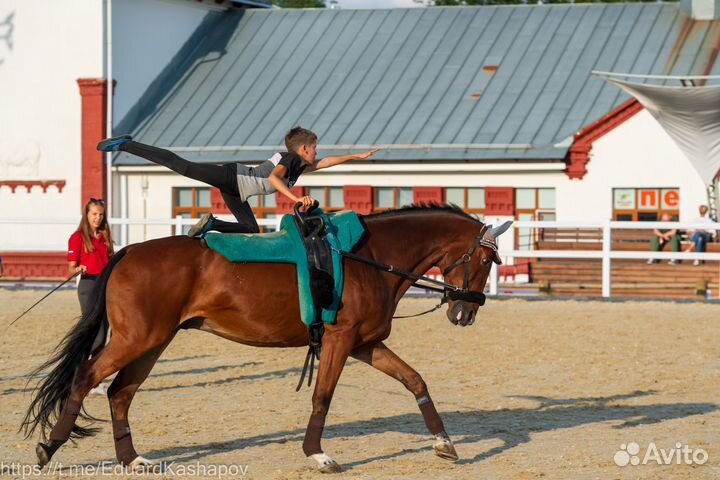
x=294 y=164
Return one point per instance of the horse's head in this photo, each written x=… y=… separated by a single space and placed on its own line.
x=471 y=271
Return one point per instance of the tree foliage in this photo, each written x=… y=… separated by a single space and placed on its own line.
x=458 y=3
x=299 y=3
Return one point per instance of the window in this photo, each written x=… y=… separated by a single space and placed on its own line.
x=190 y=202
x=330 y=198
x=470 y=199
x=532 y=204
x=392 y=197
x=645 y=204
x=264 y=206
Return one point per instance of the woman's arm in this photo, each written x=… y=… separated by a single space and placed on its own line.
x=73 y=268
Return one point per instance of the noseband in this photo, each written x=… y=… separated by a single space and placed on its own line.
x=464 y=294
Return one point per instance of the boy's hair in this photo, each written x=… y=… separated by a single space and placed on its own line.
x=298 y=137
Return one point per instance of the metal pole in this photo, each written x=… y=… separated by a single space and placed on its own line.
x=125 y=229
x=712 y=200
x=607 y=247
x=109 y=112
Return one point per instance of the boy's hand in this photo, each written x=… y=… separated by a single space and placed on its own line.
x=364 y=155
x=307 y=201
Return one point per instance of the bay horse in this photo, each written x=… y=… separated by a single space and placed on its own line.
x=151 y=290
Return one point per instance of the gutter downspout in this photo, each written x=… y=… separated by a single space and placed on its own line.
x=109 y=111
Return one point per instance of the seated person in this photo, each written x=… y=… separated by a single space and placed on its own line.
x=661 y=237
x=700 y=238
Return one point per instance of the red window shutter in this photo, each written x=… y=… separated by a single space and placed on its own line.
x=500 y=201
x=284 y=204
x=216 y=201
x=427 y=195
x=358 y=198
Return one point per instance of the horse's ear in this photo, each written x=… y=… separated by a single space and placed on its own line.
x=497 y=231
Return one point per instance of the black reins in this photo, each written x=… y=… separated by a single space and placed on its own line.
x=449 y=291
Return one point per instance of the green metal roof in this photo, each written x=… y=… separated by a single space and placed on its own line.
x=452 y=83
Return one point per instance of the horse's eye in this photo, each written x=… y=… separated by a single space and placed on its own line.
x=486 y=261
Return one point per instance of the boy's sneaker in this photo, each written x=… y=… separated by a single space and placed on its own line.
x=113 y=144
x=202 y=226
x=696 y=262
x=652 y=261
x=674 y=262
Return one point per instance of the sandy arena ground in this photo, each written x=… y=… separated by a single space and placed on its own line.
x=534 y=389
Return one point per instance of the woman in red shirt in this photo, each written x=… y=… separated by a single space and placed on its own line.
x=89 y=251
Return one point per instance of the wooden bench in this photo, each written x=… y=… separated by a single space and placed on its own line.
x=594 y=235
x=629 y=278
x=636 y=239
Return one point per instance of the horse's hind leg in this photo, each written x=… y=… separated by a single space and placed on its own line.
x=385 y=360
x=120 y=395
x=109 y=360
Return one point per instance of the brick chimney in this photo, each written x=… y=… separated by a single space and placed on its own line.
x=94 y=103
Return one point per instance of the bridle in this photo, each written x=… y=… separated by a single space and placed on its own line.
x=465 y=293
x=449 y=291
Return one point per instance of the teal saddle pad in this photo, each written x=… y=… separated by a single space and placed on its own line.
x=344 y=230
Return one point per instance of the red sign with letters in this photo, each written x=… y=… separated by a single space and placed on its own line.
x=648 y=199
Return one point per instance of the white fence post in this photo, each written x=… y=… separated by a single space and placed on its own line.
x=494 y=279
x=178 y=225
x=607 y=248
x=125 y=227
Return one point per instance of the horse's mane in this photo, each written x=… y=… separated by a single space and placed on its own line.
x=423 y=207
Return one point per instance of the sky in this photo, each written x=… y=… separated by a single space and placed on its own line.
x=350 y=4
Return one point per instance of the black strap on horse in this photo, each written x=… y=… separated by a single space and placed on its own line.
x=449 y=291
x=315 y=331
x=319 y=254
x=312 y=231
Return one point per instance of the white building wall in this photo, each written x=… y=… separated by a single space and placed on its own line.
x=155 y=201
x=146 y=36
x=45 y=47
x=636 y=154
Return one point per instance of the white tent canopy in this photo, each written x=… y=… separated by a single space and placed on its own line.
x=689 y=114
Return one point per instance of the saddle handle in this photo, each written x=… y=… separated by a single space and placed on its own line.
x=312 y=207
x=306 y=226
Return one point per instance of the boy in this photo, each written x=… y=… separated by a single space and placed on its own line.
x=238 y=182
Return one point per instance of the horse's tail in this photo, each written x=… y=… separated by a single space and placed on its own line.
x=69 y=356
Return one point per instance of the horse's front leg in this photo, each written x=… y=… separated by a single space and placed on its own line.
x=385 y=360
x=336 y=347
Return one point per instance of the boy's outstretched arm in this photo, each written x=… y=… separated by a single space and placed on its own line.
x=337 y=160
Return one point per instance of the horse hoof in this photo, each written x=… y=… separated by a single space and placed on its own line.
x=326 y=464
x=444 y=448
x=141 y=463
x=43 y=454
